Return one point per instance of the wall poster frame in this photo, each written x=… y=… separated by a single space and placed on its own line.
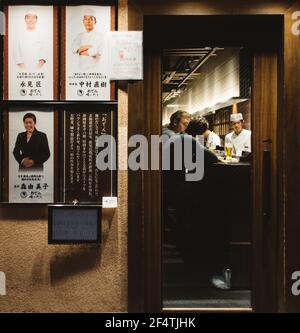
x=13 y=106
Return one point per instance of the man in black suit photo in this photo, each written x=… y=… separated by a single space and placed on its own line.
x=31 y=149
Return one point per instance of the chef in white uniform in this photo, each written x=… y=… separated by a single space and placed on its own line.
x=211 y=138
x=89 y=45
x=29 y=48
x=240 y=138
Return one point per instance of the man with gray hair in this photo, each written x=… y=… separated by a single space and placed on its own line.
x=179 y=122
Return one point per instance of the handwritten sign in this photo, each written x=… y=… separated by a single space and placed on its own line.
x=126 y=55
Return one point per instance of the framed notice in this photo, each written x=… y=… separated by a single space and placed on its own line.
x=86 y=52
x=83 y=180
x=74 y=224
x=126 y=55
x=29 y=53
x=29 y=145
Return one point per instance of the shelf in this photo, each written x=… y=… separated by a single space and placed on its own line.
x=110 y=105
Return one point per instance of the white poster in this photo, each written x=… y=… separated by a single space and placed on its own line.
x=31 y=160
x=30 y=52
x=126 y=55
x=87 y=56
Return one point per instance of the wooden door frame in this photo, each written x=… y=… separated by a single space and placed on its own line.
x=144 y=247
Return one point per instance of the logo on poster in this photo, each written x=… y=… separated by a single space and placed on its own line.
x=296 y=285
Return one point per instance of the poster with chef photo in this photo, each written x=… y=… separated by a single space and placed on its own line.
x=30 y=156
x=86 y=52
x=30 y=52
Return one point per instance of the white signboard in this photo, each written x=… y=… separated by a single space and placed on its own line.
x=126 y=55
x=31 y=147
x=30 y=52
x=87 y=56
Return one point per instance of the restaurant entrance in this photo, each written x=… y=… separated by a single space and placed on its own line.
x=259 y=38
x=206 y=224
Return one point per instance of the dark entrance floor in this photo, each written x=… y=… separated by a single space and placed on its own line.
x=187 y=285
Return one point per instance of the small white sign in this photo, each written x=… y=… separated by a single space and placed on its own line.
x=126 y=55
x=109 y=202
x=2 y=284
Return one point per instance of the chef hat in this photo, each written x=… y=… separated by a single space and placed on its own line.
x=31 y=11
x=89 y=12
x=236 y=117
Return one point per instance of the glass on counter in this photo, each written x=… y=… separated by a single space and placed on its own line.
x=212 y=148
x=228 y=151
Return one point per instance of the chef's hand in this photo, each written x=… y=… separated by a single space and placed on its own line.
x=27 y=162
x=83 y=48
x=84 y=53
x=41 y=63
x=22 y=66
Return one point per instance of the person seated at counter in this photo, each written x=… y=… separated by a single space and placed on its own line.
x=211 y=139
x=176 y=177
x=239 y=138
x=179 y=121
x=198 y=126
x=179 y=195
x=201 y=231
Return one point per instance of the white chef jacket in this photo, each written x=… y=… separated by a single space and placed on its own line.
x=97 y=40
x=29 y=49
x=241 y=142
x=213 y=140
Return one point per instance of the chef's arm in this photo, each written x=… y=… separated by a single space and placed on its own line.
x=42 y=55
x=75 y=45
x=18 y=54
x=97 y=50
x=225 y=142
x=93 y=52
x=249 y=144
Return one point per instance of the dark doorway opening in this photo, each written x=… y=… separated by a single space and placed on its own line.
x=261 y=35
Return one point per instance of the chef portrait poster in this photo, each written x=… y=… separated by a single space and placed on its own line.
x=30 y=52
x=86 y=52
x=31 y=160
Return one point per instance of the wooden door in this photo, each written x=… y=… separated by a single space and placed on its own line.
x=264 y=180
